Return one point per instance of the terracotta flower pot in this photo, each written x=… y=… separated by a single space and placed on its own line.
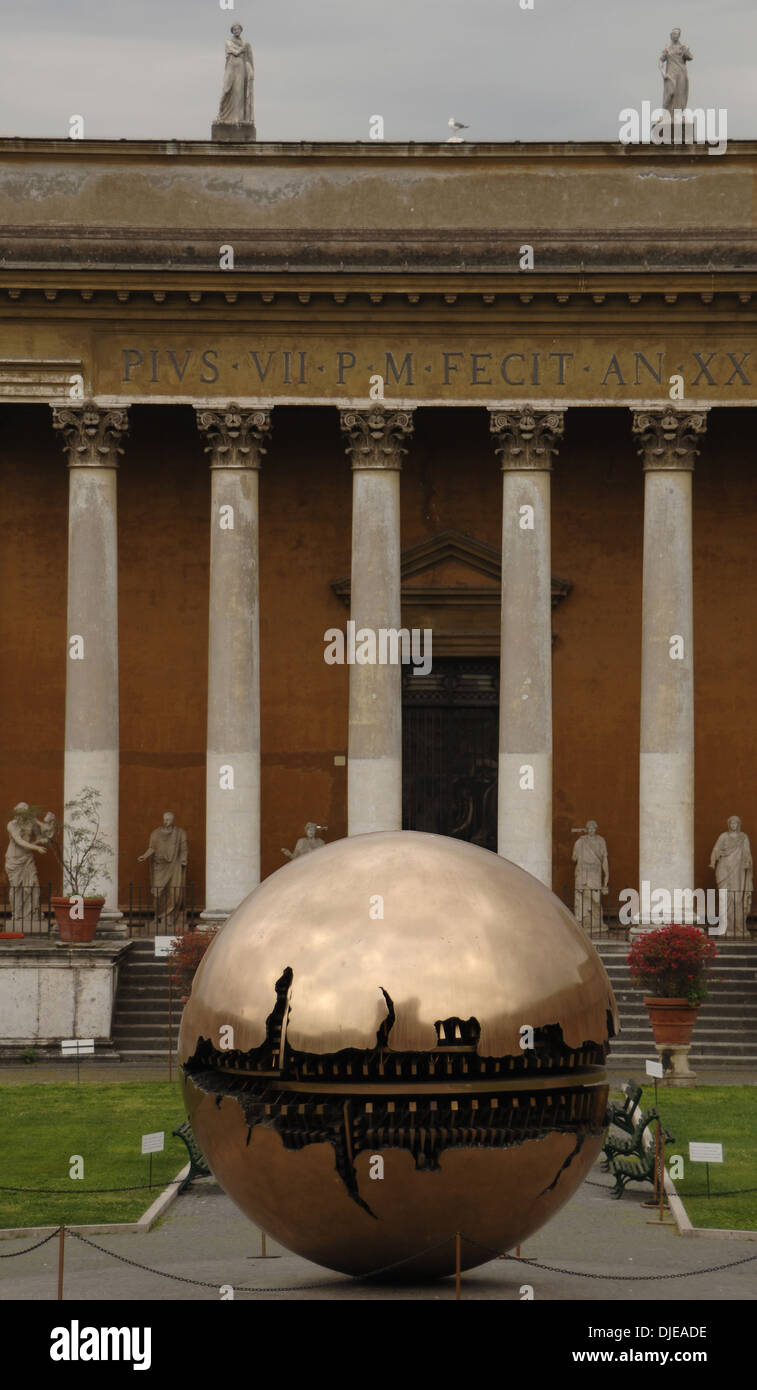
x=672 y=1020
x=77 y=931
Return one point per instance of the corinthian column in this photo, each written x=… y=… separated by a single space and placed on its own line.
x=668 y=445
x=92 y=443
x=235 y=442
x=374 y=772
x=526 y=441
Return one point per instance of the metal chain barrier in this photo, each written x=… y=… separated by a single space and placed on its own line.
x=79 y=1191
x=43 y=1241
x=615 y=1278
x=383 y=1269
x=240 y=1288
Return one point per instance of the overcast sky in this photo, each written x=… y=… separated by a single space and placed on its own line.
x=152 y=69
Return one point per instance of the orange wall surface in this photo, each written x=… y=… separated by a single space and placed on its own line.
x=450 y=479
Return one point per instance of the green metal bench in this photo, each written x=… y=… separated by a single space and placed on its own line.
x=621 y=1115
x=613 y=1146
x=635 y=1162
x=198 y=1167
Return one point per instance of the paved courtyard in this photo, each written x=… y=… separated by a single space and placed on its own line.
x=203 y=1237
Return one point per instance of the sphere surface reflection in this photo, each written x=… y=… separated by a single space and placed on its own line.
x=419 y=1031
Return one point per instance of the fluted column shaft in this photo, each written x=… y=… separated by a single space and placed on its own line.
x=235 y=442
x=92 y=443
x=526 y=441
x=668 y=446
x=374 y=771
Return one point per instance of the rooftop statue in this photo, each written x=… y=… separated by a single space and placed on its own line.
x=236 y=120
x=673 y=60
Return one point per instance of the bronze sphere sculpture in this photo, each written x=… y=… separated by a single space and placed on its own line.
x=418 y=1037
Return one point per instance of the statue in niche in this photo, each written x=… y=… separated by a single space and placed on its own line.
x=673 y=60
x=167 y=853
x=592 y=877
x=731 y=859
x=307 y=842
x=236 y=108
x=26 y=840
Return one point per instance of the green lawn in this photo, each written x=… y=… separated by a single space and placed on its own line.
x=723 y=1114
x=42 y=1125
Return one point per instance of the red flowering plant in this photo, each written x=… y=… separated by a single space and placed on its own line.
x=186 y=954
x=671 y=963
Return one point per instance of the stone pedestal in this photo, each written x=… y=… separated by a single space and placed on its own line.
x=243 y=133
x=668 y=444
x=374 y=769
x=92 y=442
x=526 y=441
x=49 y=991
x=675 y=1060
x=235 y=442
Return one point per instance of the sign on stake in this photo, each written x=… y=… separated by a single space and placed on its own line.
x=77 y=1047
x=707 y=1154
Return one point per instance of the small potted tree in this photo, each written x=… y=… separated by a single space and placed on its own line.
x=83 y=854
x=671 y=964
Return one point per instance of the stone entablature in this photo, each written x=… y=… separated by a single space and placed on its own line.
x=388 y=208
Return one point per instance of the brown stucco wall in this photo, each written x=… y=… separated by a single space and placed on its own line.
x=306 y=511
x=163 y=567
x=33 y=558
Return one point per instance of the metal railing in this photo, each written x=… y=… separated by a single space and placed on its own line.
x=26 y=910
x=170 y=913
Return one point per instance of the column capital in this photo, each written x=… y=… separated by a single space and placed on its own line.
x=526 y=438
x=91 y=435
x=236 y=437
x=668 y=438
x=376 y=436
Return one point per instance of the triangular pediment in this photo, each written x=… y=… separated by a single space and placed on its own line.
x=448 y=565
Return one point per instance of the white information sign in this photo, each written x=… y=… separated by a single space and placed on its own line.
x=655 y=1069
x=706 y=1153
x=77 y=1047
x=153 y=1143
x=164 y=945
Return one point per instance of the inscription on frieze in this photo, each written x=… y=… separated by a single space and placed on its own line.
x=585 y=368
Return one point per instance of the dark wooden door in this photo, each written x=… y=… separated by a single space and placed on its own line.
x=449 y=749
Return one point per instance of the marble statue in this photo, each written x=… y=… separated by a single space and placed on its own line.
x=167 y=853
x=47 y=828
x=731 y=859
x=236 y=120
x=673 y=60
x=307 y=842
x=592 y=877
x=21 y=866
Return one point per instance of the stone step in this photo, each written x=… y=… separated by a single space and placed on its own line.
x=143 y=1054
x=145 y=967
x=730 y=971
x=152 y=1009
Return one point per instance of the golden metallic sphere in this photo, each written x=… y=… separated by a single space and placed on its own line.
x=417 y=1046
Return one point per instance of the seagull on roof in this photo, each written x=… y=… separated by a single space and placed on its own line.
x=454 y=126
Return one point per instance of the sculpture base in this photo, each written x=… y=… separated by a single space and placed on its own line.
x=243 y=133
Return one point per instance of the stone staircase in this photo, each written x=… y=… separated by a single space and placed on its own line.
x=726 y=1029
x=140 y=1017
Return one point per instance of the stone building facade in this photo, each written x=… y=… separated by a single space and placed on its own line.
x=558 y=481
